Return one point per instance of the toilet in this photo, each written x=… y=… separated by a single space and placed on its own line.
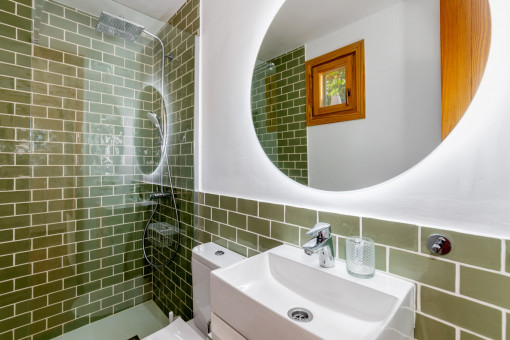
x=205 y=258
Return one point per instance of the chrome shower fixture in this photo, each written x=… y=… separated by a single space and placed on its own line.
x=155 y=120
x=119 y=27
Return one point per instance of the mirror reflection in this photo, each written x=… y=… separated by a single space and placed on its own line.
x=402 y=122
x=147 y=136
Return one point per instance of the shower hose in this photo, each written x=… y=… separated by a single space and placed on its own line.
x=178 y=223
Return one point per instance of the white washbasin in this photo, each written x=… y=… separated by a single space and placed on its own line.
x=254 y=296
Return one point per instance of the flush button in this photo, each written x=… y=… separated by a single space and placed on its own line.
x=219 y=253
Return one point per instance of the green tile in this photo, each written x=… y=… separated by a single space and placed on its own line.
x=247 y=239
x=464 y=313
x=237 y=248
x=47 y=288
x=237 y=220
x=431 y=271
x=463 y=245
x=15 y=96
x=212 y=200
x=267 y=243
x=16 y=21
x=507 y=256
x=6 y=312
x=15 y=221
x=12 y=70
x=485 y=286
x=220 y=241
x=341 y=224
x=46 y=53
x=427 y=328
x=300 y=216
x=507 y=324
x=219 y=215
x=248 y=207
x=211 y=227
x=228 y=232
x=14 y=272
x=469 y=336
x=380 y=258
x=272 y=211
x=47 y=241
x=258 y=226
x=8 y=6
x=64 y=24
x=285 y=232
x=252 y=252
x=15 y=321
x=46 y=311
x=228 y=203
x=46 y=265
x=399 y=235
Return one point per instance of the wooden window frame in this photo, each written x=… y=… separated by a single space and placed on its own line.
x=353 y=58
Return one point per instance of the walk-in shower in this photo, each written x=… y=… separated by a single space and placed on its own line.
x=159 y=233
x=82 y=167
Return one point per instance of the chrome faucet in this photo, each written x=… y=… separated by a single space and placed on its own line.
x=321 y=243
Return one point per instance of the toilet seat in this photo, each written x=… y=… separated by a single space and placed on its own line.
x=178 y=330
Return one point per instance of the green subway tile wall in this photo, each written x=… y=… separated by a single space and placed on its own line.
x=74 y=143
x=172 y=288
x=279 y=112
x=456 y=293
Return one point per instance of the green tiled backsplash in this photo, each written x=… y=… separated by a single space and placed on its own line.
x=279 y=113
x=464 y=292
x=72 y=127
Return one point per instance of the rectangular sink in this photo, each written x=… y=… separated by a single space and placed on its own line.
x=254 y=297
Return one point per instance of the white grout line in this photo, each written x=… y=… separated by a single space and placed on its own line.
x=419 y=239
x=418 y=300
x=387 y=259
x=503 y=326
x=503 y=256
x=360 y=226
x=457 y=278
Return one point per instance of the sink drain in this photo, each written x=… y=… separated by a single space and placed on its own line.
x=300 y=314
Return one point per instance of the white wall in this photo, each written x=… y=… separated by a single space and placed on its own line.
x=403 y=99
x=463 y=185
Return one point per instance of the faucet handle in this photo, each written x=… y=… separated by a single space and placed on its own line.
x=321 y=229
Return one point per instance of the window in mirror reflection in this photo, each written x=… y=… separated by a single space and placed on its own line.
x=335 y=86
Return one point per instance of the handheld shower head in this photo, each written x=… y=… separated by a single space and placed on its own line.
x=155 y=120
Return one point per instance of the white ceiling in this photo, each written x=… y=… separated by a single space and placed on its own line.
x=152 y=14
x=302 y=21
x=158 y=9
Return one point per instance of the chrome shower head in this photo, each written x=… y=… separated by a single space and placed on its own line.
x=119 y=27
x=155 y=120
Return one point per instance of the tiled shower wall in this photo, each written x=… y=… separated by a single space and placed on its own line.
x=72 y=204
x=279 y=112
x=463 y=295
x=172 y=285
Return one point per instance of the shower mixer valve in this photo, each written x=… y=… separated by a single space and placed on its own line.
x=158 y=195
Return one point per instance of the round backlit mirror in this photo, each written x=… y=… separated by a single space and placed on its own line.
x=147 y=139
x=308 y=71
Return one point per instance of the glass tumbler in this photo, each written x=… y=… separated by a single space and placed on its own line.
x=360 y=257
